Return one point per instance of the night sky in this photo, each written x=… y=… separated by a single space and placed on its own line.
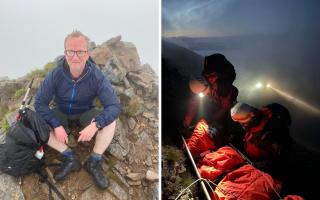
x=196 y=18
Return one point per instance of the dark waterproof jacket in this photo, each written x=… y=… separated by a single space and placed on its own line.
x=77 y=96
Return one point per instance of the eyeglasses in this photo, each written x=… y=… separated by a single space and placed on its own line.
x=71 y=53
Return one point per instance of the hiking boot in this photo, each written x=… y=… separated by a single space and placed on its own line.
x=70 y=164
x=93 y=167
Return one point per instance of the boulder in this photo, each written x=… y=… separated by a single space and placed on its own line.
x=9 y=188
x=101 y=55
x=119 y=146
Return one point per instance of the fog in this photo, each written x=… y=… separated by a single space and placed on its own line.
x=33 y=31
x=285 y=62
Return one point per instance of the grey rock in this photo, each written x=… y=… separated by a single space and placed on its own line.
x=120 y=169
x=11 y=117
x=126 y=82
x=129 y=92
x=149 y=161
x=9 y=188
x=117 y=191
x=5 y=196
x=135 y=176
x=154 y=191
x=92 y=45
x=131 y=192
x=147 y=68
x=127 y=54
x=142 y=80
x=134 y=107
x=134 y=183
x=119 y=89
x=8 y=89
x=152 y=176
x=145 y=140
x=187 y=195
x=148 y=115
x=150 y=147
x=139 y=92
x=181 y=169
x=130 y=160
x=145 y=184
x=155 y=91
x=101 y=55
x=122 y=179
x=113 y=41
x=119 y=146
x=131 y=123
x=114 y=71
x=149 y=105
x=155 y=125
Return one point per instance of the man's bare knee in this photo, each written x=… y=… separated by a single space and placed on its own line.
x=109 y=130
x=104 y=138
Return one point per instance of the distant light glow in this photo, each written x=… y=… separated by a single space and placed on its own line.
x=268 y=85
x=296 y=101
x=201 y=95
x=259 y=85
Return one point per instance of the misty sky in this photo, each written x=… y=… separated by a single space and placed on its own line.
x=32 y=32
x=236 y=17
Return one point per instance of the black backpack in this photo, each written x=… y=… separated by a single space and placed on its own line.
x=23 y=149
x=19 y=154
x=24 y=138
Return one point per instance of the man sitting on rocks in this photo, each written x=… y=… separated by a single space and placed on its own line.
x=73 y=85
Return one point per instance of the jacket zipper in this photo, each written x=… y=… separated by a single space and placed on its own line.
x=72 y=97
x=73 y=91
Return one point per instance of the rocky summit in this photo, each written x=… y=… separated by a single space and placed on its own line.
x=131 y=161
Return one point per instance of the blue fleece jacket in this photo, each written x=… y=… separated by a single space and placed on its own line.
x=77 y=96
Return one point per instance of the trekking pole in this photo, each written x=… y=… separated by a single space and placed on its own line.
x=203 y=186
x=26 y=95
x=29 y=101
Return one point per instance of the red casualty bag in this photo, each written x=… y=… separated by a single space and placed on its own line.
x=200 y=141
x=292 y=197
x=247 y=183
x=244 y=182
x=219 y=162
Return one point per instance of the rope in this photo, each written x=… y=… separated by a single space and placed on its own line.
x=194 y=182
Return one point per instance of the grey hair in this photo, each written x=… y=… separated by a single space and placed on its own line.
x=74 y=34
